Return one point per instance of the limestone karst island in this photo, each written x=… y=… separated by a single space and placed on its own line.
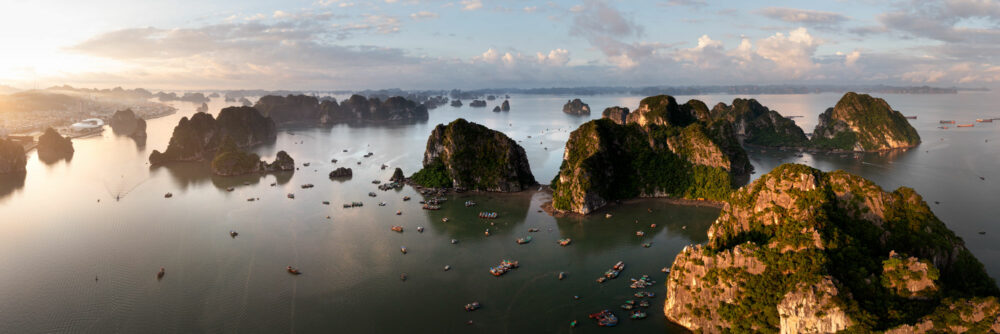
x=483 y=166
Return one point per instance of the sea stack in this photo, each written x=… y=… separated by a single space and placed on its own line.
x=803 y=251
x=12 y=157
x=231 y=161
x=341 y=173
x=662 y=150
x=758 y=125
x=397 y=175
x=576 y=107
x=198 y=138
x=860 y=122
x=53 y=147
x=126 y=123
x=465 y=155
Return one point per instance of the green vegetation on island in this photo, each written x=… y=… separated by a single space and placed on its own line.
x=860 y=122
x=471 y=156
x=800 y=250
x=231 y=161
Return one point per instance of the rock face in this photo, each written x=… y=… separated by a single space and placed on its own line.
x=202 y=108
x=229 y=160
x=758 y=125
x=343 y=173
x=126 y=123
x=662 y=149
x=12 y=157
x=477 y=104
x=198 y=138
x=616 y=114
x=397 y=175
x=576 y=107
x=471 y=156
x=505 y=106
x=308 y=110
x=52 y=146
x=803 y=251
x=860 y=122
x=456 y=103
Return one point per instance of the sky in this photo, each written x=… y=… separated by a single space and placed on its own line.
x=468 y=44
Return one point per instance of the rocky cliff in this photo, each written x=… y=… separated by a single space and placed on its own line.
x=291 y=109
x=505 y=106
x=12 y=157
x=758 y=125
x=471 y=156
x=308 y=110
x=803 y=251
x=397 y=175
x=576 y=107
x=199 y=137
x=860 y=122
x=230 y=160
x=52 y=146
x=126 y=123
x=662 y=149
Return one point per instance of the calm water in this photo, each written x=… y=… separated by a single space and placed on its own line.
x=62 y=226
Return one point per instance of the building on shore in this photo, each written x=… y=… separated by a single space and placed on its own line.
x=87 y=125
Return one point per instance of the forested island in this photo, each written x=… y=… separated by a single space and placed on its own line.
x=198 y=138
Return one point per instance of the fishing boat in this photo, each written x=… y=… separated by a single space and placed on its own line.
x=305 y=164
x=640 y=233
x=504 y=267
x=454 y=241
x=291 y=195
x=469 y=203
x=911 y=117
x=406 y=198
x=420 y=229
x=168 y=195
x=947 y=122
x=292 y=271
x=402 y=249
x=348 y=205
x=381 y=204
x=602 y=279
x=159 y=275
x=533 y=229
x=638 y=314
x=564 y=242
x=376 y=181
x=652 y=225
x=984 y=120
x=488 y=215
x=431 y=207
x=965 y=125
x=647 y=245
x=644 y=303
x=472 y=306
x=626 y=307
x=371 y=194
x=307 y=186
x=562 y=275
x=233 y=233
x=487 y=232
x=447 y=267
x=326 y=202
x=230 y=189
x=399 y=213
x=251 y=199
x=605 y=318
x=397 y=228
x=445 y=219
x=521 y=241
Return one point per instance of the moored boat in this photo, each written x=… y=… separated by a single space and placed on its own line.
x=965 y=125
x=397 y=228
x=472 y=306
x=605 y=318
x=504 y=267
x=402 y=249
x=564 y=242
x=292 y=271
x=524 y=240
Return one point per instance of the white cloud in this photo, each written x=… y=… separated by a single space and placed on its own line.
x=471 y=4
x=852 y=58
x=557 y=57
x=423 y=15
x=803 y=16
x=791 y=53
x=530 y=9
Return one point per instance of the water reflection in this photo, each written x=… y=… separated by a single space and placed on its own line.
x=189 y=174
x=52 y=158
x=10 y=183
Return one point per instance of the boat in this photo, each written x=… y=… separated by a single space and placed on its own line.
x=168 y=195
x=291 y=195
x=943 y=127
x=293 y=271
x=619 y=266
x=454 y=241
x=562 y=275
x=431 y=207
x=160 y=274
x=533 y=229
x=911 y=117
x=605 y=318
x=469 y=203
x=965 y=125
x=326 y=202
x=333 y=160
x=640 y=233
x=564 y=242
x=371 y=194
x=445 y=219
x=305 y=164
x=644 y=303
x=602 y=279
x=665 y=270
x=488 y=215
x=638 y=314
x=607 y=215
x=947 y=122
x=487 y=232
x=230 y=189
x=406 y=198
x=647 y=245
x=397 y=228
x=384 y=166
x=472 y=306
x=376 y=181
x=307 y=186
x=402 y=249
x=652 y=225
x=504 y=267
x=402 y=277
x=233 y=233
x=399 y=213
x=447 y=268
x=984 y=120
x=627 y=307
x=521 y=241
x=381 y=204
x=420 y=229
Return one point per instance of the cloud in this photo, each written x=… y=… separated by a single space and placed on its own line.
x=689 y=3
x=803 y=16
x=530 y=9
x=607 y=29
x=471 y=4
x=792 y=52
x=423 y=15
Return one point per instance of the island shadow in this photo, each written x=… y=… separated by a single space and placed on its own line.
x=11 y=183
x=188 y=174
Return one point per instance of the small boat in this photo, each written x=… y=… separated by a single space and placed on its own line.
x=469 y=203
x=487 y=232
x=402 y=249
x=445 y=219
x=406 y=198
x=333 y=160
x=345 y=151
x=488 y=215
x=572 y=324
x=376 y=181
x=431 y=207
x=168 y=195
x=454 y=241
x=564 y=242
x=946 y=122
x=652 y=225
x=640 y=233
x=371 y=194
x=984 y=120
x=472 y=307
x=384 y=166
x=230 y=189
x=626 y=307
x=644 y=303
x=251 y=199
x=607 y=215
x=647 y=245
x=305 y=164
x=160 y=274
x=638 y=314
x=532 y=230
x=233 y=233
x=293 y=271
x=521 y=241
x=307 y=186
x=274 y=184
x=291 y=195
x=402 y=277
x=911 y=117
x=943 y=127
x=397 y=228
x=326 y=202
x=504 y=267
x=381 y=204
x=965 y=125
x=447 y=268
x=605 y=318
x=420 y=229
x=665 y=270
x=562 y=275
x=602 y=279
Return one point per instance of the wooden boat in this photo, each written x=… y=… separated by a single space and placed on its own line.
x=160 y=274
x=564 y=242
x=521 y=241
x=233 y=234
x=293 y=271
x=984 y=120
x=965 y=125
x=402 y=249
x=397 y=228
x=947 y=122
x=605 y=318
x=406 y=198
